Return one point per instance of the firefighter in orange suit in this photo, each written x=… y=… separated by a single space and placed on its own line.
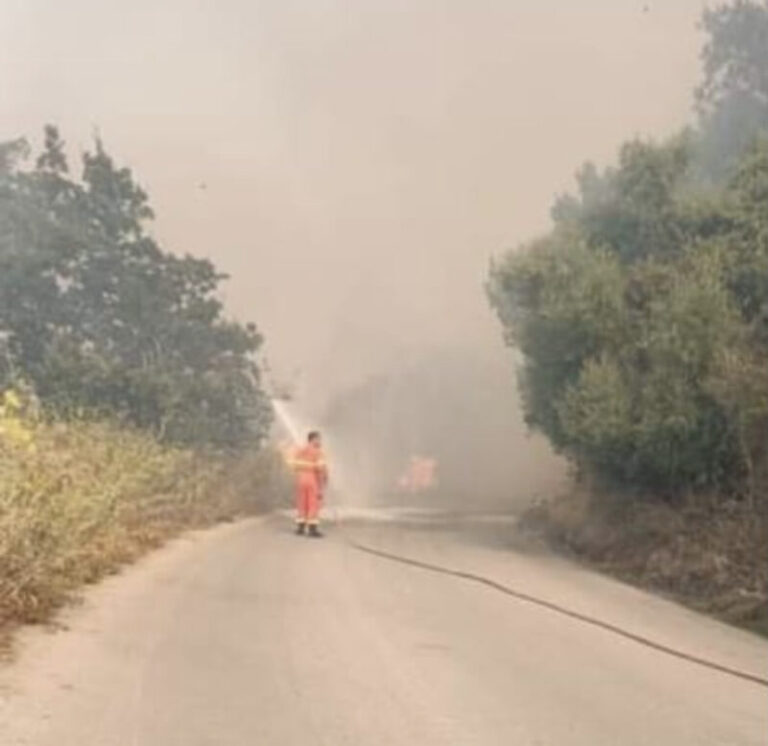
x=311 y=477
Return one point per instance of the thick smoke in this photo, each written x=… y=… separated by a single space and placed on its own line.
x=457 y=408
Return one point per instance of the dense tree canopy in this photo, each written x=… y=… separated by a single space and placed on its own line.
x=97 y=317
x=642 y=317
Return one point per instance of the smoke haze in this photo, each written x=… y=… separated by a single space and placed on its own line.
x=354 y=165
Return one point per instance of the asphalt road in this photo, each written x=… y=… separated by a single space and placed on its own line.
x=249 y=635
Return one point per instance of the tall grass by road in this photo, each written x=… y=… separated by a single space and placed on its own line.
x=79 y=499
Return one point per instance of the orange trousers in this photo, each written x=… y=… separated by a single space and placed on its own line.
x=308 y=501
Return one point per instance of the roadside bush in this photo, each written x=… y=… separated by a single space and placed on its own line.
x=706 y=552
x=78 y=499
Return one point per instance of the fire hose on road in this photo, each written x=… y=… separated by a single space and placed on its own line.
x=558 y=609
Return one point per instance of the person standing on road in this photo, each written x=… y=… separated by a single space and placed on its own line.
x=311 y=479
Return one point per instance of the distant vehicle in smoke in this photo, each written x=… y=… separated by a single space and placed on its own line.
x=419 y=476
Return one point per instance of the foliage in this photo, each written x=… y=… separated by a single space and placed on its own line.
x=733 y=97
x=78 y=498
x=642 y=321
x=708 y=553
x=97 y=317
x=643 y=316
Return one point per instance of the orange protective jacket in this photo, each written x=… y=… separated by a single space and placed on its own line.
x=309 y=464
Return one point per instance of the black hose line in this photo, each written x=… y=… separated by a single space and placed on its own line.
x=584 y=618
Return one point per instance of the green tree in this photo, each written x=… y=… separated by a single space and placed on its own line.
x=732 y=99
x=644 y=207
x=560 y=304
x=97 y=316
x=638 y=318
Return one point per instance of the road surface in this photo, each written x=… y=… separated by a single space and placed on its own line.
x=249 y=635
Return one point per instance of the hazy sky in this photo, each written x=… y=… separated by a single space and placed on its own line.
x=363 y=158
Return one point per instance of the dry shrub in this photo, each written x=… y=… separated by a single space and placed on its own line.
x=79 y=499
x=707 y=553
